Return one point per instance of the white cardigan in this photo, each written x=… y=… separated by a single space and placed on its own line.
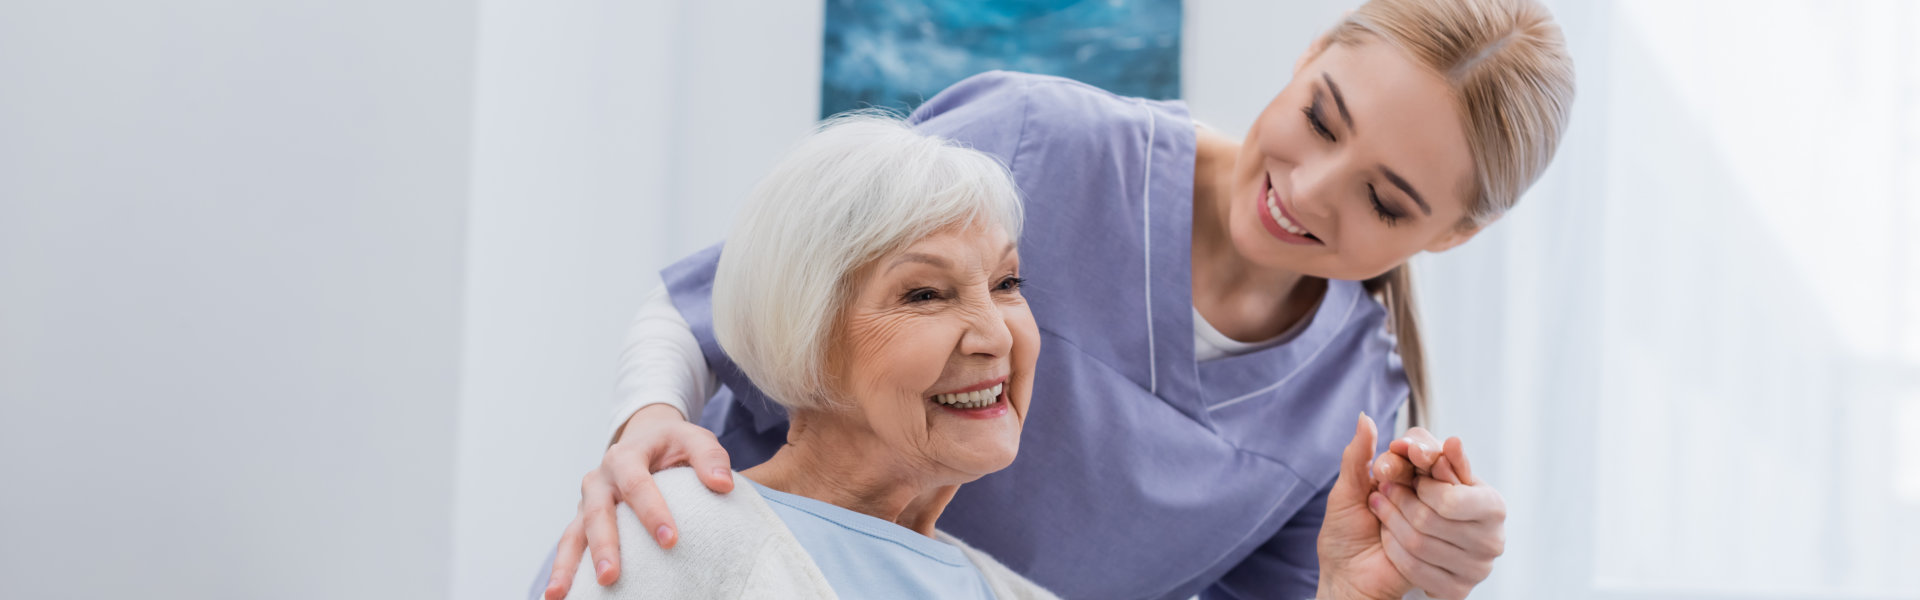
x=734 y=546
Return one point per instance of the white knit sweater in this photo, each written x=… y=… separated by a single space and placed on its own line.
x=734 y=546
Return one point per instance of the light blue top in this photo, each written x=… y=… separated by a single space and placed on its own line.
x=865 y=557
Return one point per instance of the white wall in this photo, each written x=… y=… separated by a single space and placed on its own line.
x=230 y=281
x=610 y=138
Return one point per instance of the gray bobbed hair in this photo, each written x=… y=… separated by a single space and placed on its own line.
x=863 y=185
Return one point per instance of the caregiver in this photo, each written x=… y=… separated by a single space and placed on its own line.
x=1212 y=319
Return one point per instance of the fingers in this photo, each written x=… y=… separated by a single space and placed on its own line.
x=1436 y=582
x=1481 y=541
x=1419 y=446
x=709 y=460
x=1353 y=485
x=1462 y=502
x=601 y=527
x=1443 y=471
x=1457 y=454
x=640 y=493
x=566 y=561
x=1393 y=468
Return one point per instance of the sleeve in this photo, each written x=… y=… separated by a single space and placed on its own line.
x=1287 y=566
x=661 y=364
x=987 y=112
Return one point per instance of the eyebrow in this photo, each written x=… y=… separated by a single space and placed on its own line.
x=1401 y=183
x=1338 y=100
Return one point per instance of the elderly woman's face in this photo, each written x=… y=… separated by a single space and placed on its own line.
x=936 y=351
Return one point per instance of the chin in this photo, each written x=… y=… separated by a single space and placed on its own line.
x=989 y=461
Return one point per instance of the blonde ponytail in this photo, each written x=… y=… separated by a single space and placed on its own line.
x=1395 y=290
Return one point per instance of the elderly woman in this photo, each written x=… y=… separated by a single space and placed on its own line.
x=872 y=289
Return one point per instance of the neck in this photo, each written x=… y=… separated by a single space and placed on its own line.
x=1243 y=299
x=849 y=468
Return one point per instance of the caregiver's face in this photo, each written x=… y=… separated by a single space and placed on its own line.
x=1357 y=165
x=936 y=351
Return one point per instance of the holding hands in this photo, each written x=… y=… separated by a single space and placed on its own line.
x=1417 y=519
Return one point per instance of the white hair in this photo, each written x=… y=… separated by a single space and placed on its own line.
x=863 y=185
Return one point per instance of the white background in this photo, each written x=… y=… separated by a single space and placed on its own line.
x=321 y=299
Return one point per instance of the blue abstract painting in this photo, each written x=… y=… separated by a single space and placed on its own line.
x=897 y=53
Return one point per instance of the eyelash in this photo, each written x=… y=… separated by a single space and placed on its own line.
x=1319 y=126
x=1380 y=208
x=915 y=296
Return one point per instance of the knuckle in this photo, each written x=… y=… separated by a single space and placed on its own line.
x=1420 y=517
x=635 y=486
x=1414 y=544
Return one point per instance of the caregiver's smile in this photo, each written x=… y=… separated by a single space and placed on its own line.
x=1279 y=221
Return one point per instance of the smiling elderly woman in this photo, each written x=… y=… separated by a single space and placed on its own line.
x=872 y=289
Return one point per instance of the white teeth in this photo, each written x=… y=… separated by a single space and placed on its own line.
x=1273 y=209
x=973 y=399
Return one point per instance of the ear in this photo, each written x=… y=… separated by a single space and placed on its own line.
x=1454 y=237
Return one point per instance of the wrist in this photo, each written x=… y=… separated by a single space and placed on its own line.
x=647 y=414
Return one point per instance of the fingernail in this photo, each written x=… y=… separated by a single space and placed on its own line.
x=602 y=566
x=720 y=473
x=663 y=533
x=1373 y=501
x=1386 y=488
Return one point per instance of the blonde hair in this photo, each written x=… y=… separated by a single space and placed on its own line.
x=865 y=184
x=1512 y=80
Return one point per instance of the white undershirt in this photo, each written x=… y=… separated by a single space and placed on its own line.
x=1210 y=344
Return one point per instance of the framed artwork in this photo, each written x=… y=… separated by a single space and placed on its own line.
x=897 y=53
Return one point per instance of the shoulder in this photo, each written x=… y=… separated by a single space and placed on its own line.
x=729 y=545
x=1005 y=583
x=1006 y=113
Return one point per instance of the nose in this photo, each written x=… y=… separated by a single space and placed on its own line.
x=1314 y=185
x=987 y=335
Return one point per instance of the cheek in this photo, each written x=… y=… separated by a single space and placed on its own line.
x=895 y=355
x=1025 y=354
x=1371 y=248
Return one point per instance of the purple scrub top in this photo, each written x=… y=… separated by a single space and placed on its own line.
x=1142 y=473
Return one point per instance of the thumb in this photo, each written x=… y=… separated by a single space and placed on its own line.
x=1353 y=485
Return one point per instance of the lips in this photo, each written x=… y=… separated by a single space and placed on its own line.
x=983 y=400
x=1280 y=222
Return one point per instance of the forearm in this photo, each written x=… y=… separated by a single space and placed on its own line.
x=660 y=365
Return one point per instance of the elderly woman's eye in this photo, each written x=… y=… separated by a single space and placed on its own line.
x=1010 y=283
x=922 y=295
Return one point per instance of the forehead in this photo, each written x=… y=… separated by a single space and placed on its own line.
x=1405 y=117
x=975 y=246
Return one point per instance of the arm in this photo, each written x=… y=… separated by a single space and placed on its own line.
x=661 y=364
x=664 y=379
